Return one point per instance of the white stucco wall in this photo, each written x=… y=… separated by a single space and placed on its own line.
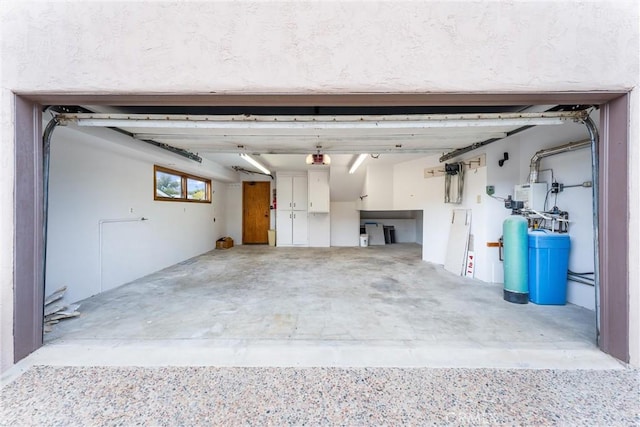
x=322 y=47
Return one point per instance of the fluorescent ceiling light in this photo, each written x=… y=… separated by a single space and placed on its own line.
x=356 y=164
x=255 y=163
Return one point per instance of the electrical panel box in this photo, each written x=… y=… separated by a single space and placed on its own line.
x=532 y=195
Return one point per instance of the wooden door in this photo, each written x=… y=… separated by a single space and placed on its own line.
x=255 y=212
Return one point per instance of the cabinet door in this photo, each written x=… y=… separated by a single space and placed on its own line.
x=299 y=193
x=284 y=187
x=300 y=228
x=319 y=191
x=284 y=236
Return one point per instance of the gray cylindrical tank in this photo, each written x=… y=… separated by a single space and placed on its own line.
x=516 y=255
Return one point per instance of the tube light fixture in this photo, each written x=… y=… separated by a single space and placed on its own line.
x=255 y=163
x=356 y=164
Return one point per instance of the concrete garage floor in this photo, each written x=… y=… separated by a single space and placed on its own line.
x=266 y=306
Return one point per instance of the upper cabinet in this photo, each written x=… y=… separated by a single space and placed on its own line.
x=319 y=201
x=299 y=193
x=292 y=192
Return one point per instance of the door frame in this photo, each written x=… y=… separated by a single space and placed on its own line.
x=244 y=183
x=28 y=239
x=29 y=246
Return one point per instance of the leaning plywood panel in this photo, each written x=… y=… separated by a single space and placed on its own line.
x=376 y=234
x=458 y=241
x=55 y=296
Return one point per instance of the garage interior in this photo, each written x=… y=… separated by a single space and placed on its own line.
x=145 y=269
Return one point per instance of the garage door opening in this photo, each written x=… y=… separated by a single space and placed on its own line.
x=80 y=146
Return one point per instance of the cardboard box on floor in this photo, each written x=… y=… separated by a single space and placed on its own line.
x=224 y=243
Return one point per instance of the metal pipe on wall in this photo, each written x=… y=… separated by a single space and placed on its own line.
x=574 y=278
x=46 y=157
x=595 y=172
x=534 y=166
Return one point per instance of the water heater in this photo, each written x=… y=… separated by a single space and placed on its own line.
x=532 y=195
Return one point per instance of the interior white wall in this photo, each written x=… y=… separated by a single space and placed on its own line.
x=309 y=48
x=408 y=184
x=345 y=187
x=90 y=183
x=419 y=226
x=503 y=178
x=412 y=191
x=377 y=192
x=345 y=224
x=411 y=187
x=438 y=215
x=435 y=214
x=233 y=209
x=569 y=169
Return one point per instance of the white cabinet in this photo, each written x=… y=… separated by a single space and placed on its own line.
x=292 y=228
x=299 y=225
x=284 y=228
x=291 y=217
x=319 y=201
x=292 y=192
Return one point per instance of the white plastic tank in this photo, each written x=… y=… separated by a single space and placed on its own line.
x=364 y=240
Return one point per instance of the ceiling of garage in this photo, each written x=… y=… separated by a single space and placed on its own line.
x=284 y=136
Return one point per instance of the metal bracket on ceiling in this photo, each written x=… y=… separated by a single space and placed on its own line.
x=247 y=171
x=64 y=119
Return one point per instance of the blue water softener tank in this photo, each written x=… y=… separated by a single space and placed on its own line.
x=516 y=251
x=548 y=266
